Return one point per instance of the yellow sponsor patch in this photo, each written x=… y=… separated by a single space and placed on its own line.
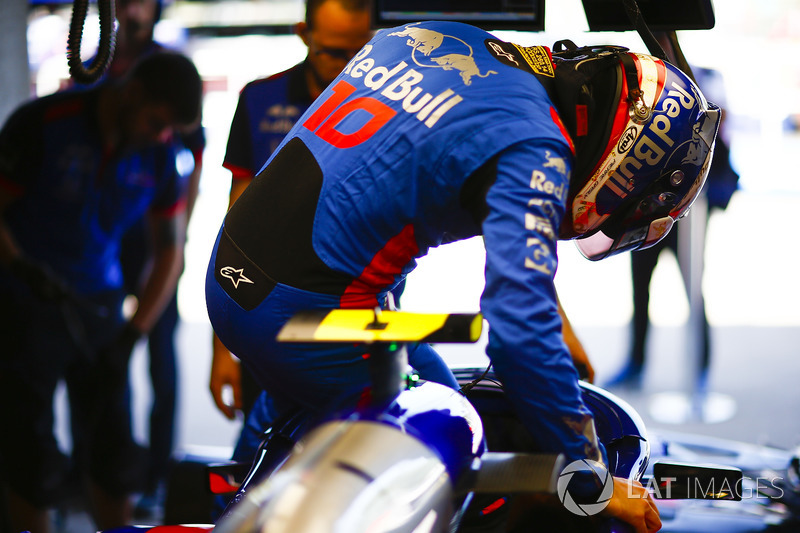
x=538 y=58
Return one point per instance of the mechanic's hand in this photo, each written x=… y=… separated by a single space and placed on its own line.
x=581 y=360
x=579 y=357
x=226 y=373
x=43 y=282
x=632 y=503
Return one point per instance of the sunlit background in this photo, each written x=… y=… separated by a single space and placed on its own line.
x=751 y=275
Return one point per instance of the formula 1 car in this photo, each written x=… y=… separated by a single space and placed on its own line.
x=421 y=457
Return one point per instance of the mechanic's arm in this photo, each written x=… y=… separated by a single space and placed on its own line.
x=579 y=356
x=226 y=373
x=238 y=185
x=169 y=234
x=225 y=367
x=8 y=246
x=226 y=370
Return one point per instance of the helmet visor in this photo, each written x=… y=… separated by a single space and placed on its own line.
x=599 y=246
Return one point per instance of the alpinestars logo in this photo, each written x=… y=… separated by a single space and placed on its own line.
x=236 y=275
x=498 y=50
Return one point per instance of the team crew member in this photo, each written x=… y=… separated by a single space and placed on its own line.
x=137 y=20
x=77 y=169
x=135 y=39
x=436 y=132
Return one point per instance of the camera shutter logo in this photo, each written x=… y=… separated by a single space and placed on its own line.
x=591 y=467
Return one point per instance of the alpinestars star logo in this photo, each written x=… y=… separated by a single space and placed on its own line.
x=236 y=275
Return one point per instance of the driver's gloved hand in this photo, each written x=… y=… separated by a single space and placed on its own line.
x=43 y=282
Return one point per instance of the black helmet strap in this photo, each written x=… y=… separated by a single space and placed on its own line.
x=586 y=89
x=640 y=113
x=585 y=85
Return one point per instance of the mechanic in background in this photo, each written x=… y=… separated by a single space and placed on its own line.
x=77 y=170
x=721 y=184
x=136 y=21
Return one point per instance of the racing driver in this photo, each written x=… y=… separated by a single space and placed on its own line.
x=435 y=132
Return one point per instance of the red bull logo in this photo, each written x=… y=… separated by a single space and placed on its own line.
x=541 y=183
x=428 y=42
x=557 y=163
x=422 y=40
x=655 y=140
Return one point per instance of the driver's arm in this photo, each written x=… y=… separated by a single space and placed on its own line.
x=526 y=344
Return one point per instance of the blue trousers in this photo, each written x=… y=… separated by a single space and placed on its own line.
x=295 y=376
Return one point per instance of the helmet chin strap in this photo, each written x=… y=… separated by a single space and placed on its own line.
x=639 y=112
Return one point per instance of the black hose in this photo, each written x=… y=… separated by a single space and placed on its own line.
x=679 y=58
x=636 y=18
x=105 y=50
x=651 y=41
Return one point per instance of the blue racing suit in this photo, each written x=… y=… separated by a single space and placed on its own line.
x=434 y=132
